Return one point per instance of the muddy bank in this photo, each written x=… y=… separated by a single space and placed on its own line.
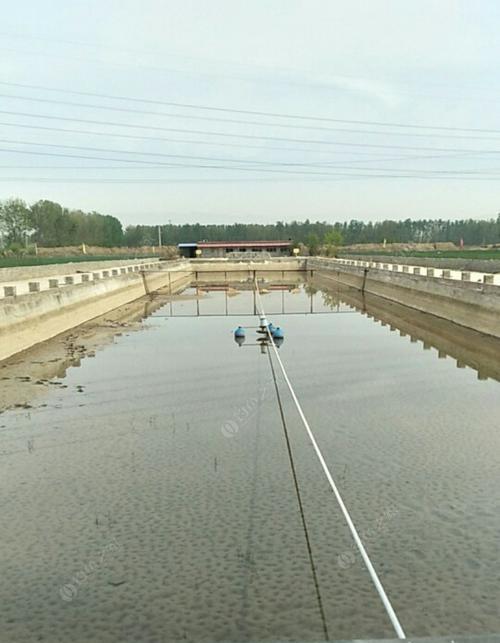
x=27 y=376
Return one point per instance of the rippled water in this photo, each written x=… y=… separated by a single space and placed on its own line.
x=152 y=498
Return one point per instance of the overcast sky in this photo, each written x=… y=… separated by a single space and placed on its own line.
x=390 y=64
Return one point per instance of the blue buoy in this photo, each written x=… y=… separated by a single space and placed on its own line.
x=278 y=341
x=239 y=332
x=239 y=335
x=271 y=327
x=278 y=333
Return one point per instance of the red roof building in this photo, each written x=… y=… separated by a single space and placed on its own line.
x=210 y=249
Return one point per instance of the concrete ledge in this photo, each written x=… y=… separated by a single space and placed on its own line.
x=457 y=263
x=45 y=271
x=34 y=286
x=45 y=277
x=491 y=278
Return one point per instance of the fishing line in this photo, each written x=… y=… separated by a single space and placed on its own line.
x=354 y=532
x=299 y=500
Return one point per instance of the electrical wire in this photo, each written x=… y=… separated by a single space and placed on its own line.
x=159 y=139
x=252 y=112
x=174 y=115
x=281 y=139
x=247 y=164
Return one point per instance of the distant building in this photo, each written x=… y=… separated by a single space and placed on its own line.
x=187 y=249
x=235 y=249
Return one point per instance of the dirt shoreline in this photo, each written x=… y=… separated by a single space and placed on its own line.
x=26 y=377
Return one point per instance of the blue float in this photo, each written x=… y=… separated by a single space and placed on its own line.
x=278 y=333
x=239 y=332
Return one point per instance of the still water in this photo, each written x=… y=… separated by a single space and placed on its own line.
x=152 y=498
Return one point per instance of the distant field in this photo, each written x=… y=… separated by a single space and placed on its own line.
x=432 y=254
x=14 y=262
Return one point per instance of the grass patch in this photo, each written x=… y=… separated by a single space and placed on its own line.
x=15 y=262
x=431 y=254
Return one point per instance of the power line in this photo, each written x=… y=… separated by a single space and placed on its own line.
x=196 y=142
x=327 y=164
x=184 y=116
x=163 y=114
x=363 y=145
x=274 y=166
x=163 y=165
x=155 y=154
x=156 y=138
x=256 y=179
x=251 y=136
x=251 y=112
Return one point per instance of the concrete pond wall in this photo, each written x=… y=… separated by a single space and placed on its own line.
x=61 y=301
x=18 y=273
x=245 y=266
x=42 y=305
x=469 y=299
x=476 y=265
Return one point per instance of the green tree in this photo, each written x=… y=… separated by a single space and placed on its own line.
x=15 y=221
x=333 y=238
x=312 y=243
x=49 y=222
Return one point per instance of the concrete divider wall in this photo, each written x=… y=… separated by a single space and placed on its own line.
x=471 y=304
x=37 y=316
x=270 y=265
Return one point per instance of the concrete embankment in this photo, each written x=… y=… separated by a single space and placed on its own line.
x=50 y=306
x=41 y=305
x=467 y=347
x=469 y=299
x=475 y=265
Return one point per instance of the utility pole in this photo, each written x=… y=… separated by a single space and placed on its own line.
x=159 y=237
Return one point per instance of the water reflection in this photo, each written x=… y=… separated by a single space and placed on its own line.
x=468 y=347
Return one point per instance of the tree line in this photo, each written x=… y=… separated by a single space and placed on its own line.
x=471 y=231
x=49 y=224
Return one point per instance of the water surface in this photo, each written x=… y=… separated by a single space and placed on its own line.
x=152 y=498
